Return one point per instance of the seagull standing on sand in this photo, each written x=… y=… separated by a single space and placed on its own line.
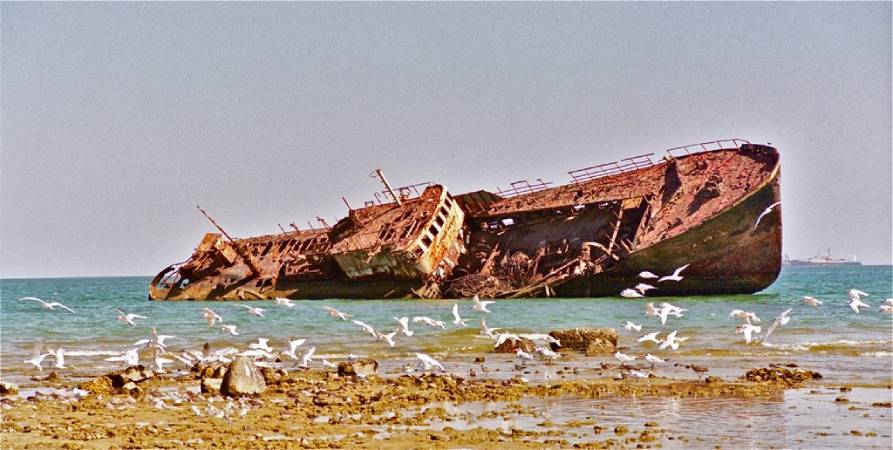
x=335 y=313
x=128 y=318
x=404 y=326
x=548 y=353
x=48 y=305
x=779 y=321
x=457 y=319
x=429 y=362
x=284 y=302
x=211 y=316
x=764 y=213
x=812 y=301
x=675 y=276
x=629 y=326
x=630 y=293
x=480 y=305
x=654 y=360
x=624 y=358
x=259 y=312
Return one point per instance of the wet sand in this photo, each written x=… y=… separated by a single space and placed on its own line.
x=319 y=409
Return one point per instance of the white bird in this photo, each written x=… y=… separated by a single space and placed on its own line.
x=744 y=315
x=404 y=326
x=480 y=305
x=211 y=316
x=647 y=275
x=154 y=341
x=429 y=362
x=670 y=342
x=284 y=302
x=650 y=311
x=366 y=328
x=662 y=314
x=307 y=357
x=160 y=363
x=389 y=338
x=630 y=293
x=257 y=311
x=654 y=360
x=457 y=319
x=886 y=309
x=856 y=293
x=779 y=321
x=327 y=363
x=231 y=329
x=642 y=287
x=675 y=276
x=748 y=330
x=672 y=309
x=128 y=318
x=812 y=301
x=502 y=337
x=292 y=347
x=763 y=214
x=261 y=344
x=523 y=355
x=855 y=304
x=335 y=313
x=429 y=321
x=547 y=352
x=650 y=337
x=888 y=302
x=48 y=305
x=637 y=374
x=629 y=326
x=541 y=337
x=37 y=357
x=487 y=331
x=624 y=358
x=130 y=357
x=58 y=358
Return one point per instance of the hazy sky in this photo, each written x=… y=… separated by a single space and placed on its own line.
x=117 y=118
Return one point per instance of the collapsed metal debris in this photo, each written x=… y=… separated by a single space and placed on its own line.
x=590 y=237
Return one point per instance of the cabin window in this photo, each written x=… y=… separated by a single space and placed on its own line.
x=433 y=230
x=419 y=251
x=439 y=221
x=444 y=211
x=427 y=240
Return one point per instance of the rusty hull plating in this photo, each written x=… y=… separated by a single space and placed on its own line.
x=588 y=238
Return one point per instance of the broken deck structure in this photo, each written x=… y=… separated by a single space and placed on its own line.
x=693 y=205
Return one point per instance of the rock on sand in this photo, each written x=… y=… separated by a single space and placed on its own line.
x=592 y=341
x=242 y=378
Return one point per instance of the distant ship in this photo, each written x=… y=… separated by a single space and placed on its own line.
x=821 y=261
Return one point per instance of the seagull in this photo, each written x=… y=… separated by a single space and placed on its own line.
x=763 y=214
x=886 y=309
x=292 y=346
x=638 y=374
x=779 y=321
x=366 y=328
x=156 y=340
x=629 y=326
x=307 y=357
x=160 y=362
x=547 y=352
x=888 y=302
x=128 y=318
x=747 y=329
x=48 y=305
x=428 y=321
x=261 y=344
x=37 y=357
x=650 y=337
x=855 y=304
x=642 y=287
x=744 y=315
x=624 y=358
x=650 y=311
x=327 y=363
x=404 y=326
x=672 y=309
x=647 y=275
x=541 y=337
x=630 y=293
x=670 y=342
x=231 y=329
x=284 y=302
x=335 y=313
x=429 y=362
x=211 y=316
x=389 y=338
x=502 y=337
x=675 y=276
x=812 y=301
x=654 y=360
x=130 y=357
x=457 y=319
x=487 y=331
x=259 y=312
x=58 y=357
x=480 y=305
x=523 y=355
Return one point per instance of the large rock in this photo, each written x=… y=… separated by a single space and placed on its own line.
x=358 y=369
x=591 y=341
x=211 y=385
x=242 y=378
x=133 y=374
x=8 y=388
x=513 y=345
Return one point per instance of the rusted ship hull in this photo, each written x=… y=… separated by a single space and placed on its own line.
x=589 y=238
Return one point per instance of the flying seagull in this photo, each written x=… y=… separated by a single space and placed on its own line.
x=675 y=276
x=763 y=214
x=480 y=305
x=48 y=305
x=128 y=318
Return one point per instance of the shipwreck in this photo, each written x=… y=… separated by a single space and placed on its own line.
x=591 y=237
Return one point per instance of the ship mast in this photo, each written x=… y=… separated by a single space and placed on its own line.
x=388 y=186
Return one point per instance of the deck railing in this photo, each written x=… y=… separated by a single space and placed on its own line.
x=611 y=168
x=523 y=187
x=721 y=144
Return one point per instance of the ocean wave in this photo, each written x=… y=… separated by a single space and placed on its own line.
x=844 y=345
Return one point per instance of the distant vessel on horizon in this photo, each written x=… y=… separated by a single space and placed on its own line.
x=822 y=261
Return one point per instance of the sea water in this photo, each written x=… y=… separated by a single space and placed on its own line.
x=846 y=347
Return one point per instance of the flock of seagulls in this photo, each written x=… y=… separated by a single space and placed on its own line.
x=640 y=289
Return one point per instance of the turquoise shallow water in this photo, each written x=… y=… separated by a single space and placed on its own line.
x=833 y=338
